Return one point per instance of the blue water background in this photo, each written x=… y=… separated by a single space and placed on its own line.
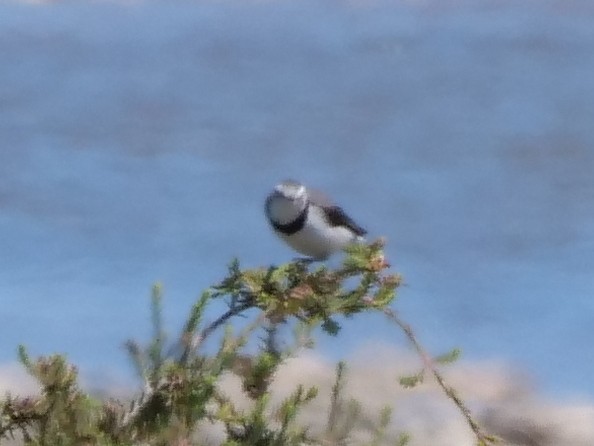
x=139 y=139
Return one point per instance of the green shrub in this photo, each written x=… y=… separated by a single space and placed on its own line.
x=180 y=379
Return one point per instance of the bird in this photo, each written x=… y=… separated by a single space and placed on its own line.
x=309 y=222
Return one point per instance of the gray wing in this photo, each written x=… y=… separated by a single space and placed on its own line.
x=319 y=198
x=335 y=214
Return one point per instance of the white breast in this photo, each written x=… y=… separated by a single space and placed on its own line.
x=317 y=238
x=282 y=210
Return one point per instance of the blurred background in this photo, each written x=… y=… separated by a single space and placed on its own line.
x=139 y=140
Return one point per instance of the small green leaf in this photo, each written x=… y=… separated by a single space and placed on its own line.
x=385 y=416
x=384 y=296
x=312 y=393
x=449 y=357
x=411 y=381
x=331 y=327
x=24 y=358
x=403 y=439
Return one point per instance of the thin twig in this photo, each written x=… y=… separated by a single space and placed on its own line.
x=429 y=365
x=335 y=402
x=234 y=310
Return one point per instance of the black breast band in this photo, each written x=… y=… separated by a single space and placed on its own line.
x=294 y=226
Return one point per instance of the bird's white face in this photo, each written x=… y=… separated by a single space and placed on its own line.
x=287 y=202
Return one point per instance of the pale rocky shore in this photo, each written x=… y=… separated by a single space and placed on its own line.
x=503 y=400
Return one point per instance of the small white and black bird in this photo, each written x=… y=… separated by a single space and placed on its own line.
x=308 y=222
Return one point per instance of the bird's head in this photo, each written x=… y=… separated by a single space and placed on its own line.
x=291 y=190
x=288 y=200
